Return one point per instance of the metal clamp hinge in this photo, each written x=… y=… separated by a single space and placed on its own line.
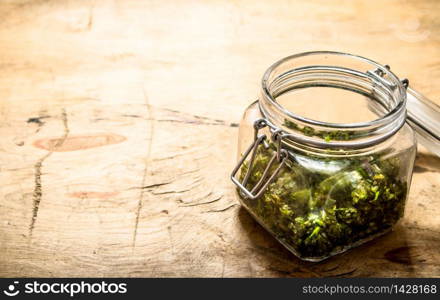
x=280 y=155
x=378 y=74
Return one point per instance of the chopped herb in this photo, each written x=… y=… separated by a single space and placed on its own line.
x=328 y=136
x=316 y=212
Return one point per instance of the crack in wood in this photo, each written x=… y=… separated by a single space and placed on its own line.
x=330 y=269
x=38 y=192
x=202 y=203
x=150 y=187
x=37 y=120
x=190 y=119
x=222 y=209
x=170 y=192
x=147 y=160
x=279 y=271
x=197 y=122
x=155 y=185
x=345 y=273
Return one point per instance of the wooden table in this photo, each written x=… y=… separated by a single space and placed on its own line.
x=119 y=128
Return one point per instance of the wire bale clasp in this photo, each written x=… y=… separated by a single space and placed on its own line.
x=280 y=155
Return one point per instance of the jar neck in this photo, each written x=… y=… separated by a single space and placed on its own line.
x=386 y=94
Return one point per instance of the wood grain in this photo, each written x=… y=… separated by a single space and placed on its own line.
x=119 y=125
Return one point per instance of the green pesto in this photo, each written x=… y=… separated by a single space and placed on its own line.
x=319 y=212
x=335 y=135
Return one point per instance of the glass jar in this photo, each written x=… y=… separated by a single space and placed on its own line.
x=321 y=187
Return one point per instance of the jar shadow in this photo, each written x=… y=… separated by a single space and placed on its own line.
x=426 y=162
x=401 y=252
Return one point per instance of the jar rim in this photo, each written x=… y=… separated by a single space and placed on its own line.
x=367 y=133
x=386 y=118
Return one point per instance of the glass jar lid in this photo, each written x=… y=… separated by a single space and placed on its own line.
x=424 y=117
